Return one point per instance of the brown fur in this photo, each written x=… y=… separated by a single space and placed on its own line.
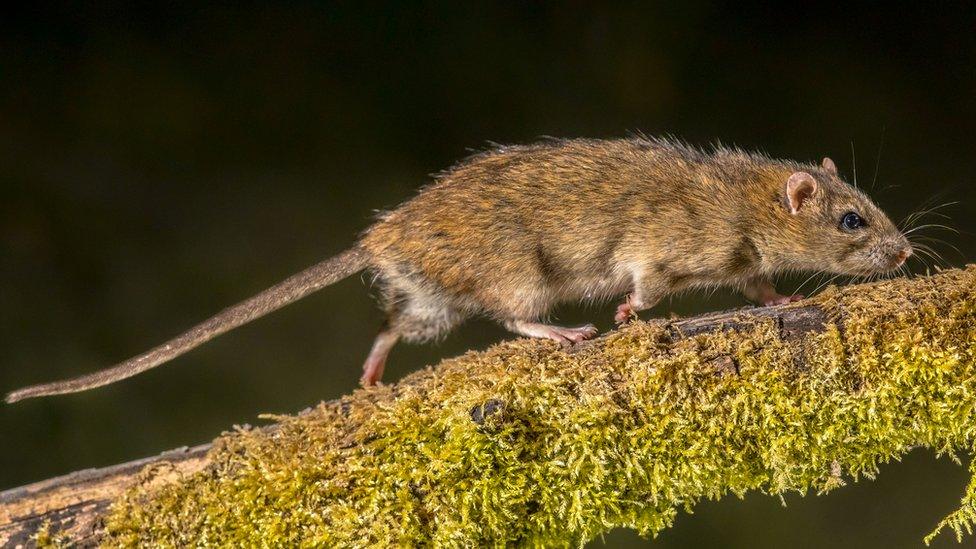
x=513 y=231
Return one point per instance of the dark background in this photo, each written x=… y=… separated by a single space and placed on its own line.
x=160 y=163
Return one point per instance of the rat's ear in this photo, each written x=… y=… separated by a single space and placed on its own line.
x=829 y=165
x=799 y=187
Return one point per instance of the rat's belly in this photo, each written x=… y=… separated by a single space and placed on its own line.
x=595 y=288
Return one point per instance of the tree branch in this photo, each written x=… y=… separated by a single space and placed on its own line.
x=850 y=341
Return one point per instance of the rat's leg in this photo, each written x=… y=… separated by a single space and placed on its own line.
x=647 y=292
x=761 y=291
x=557 y=333
x=519 y=315
x=376 y=360
x=416 y=317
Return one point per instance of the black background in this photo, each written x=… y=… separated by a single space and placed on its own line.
x=159 y=163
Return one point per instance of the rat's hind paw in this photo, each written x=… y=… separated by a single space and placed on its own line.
x=577 y=334
x=566 y=336
x=782 y=300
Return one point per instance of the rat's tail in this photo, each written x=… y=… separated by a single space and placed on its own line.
x=292 y=289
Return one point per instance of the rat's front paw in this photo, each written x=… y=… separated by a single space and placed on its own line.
x=624 y=313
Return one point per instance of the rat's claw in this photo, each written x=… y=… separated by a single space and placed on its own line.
x=576 y=335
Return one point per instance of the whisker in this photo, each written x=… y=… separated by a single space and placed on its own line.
x=919 y=214
x=854 y=163
x=939 y=206
x=923 y=211
x=933 y=255
x=921 y=258
x=877 y=163
x=915 y=238
x=804 y=283
x=935 y=261
x=826 y=283
x=932 y=226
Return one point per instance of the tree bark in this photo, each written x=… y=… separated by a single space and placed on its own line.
x=72 y=504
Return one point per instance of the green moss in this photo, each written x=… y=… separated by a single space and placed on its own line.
x=527 y=444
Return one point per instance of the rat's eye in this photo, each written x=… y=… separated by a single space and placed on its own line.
x=852 y=221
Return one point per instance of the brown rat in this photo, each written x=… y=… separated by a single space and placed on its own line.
x=511 y=232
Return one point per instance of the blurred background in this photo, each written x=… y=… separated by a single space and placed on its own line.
x=160 y=163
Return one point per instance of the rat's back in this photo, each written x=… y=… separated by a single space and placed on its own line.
x=546 y=219
x=509 y=218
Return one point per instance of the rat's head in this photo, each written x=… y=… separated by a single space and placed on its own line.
x=835 y=227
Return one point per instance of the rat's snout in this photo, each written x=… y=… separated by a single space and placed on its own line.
x=900 y=256
x=891 y=254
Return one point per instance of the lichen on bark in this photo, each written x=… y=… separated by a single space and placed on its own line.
x=530 y=444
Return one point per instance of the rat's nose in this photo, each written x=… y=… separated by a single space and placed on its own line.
x=903 y=255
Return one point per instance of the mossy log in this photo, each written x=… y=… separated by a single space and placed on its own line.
x=529 y=443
